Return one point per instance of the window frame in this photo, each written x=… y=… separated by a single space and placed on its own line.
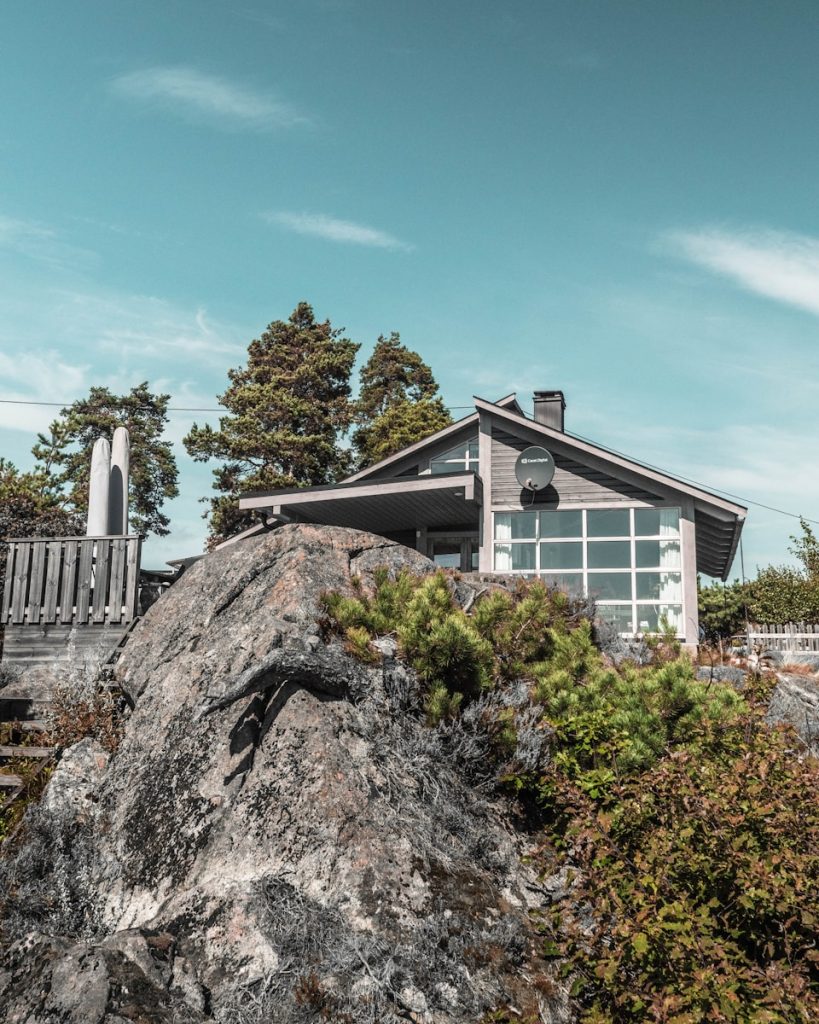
x=465 y=462
x=582 y=574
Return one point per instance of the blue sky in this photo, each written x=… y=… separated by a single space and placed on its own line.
x=616 y=199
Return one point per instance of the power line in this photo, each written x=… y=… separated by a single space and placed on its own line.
x=580 y=437
x=174 y=408
x=697 y=483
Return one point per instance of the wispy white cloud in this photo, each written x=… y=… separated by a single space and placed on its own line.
x=189 y=91
x=142 y=327
x=779 y=265
x=39 y=242
x=36 y=377
x=333 y=229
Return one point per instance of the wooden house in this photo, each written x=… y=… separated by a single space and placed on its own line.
x=606 y=526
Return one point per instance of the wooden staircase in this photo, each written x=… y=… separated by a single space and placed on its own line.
x=24 y=757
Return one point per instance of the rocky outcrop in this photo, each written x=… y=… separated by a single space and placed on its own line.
x=280 y=837
x=795 y=701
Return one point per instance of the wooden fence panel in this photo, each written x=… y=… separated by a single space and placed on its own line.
x=790 y=637
x=115 y=585
x=68 y=592
x=132 y=578
x=18 y=599
x=84 y=581
x=71 y=581
x=9 y=581
x=36 y=581
x=100 y=581
x=54 y=562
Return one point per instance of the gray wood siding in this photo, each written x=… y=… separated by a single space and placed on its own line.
x=573 y=482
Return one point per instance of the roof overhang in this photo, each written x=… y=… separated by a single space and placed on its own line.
x=385 y=506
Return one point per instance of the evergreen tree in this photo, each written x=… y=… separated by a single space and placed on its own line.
x=398 y=403
x=31 y=505
x=65 y=455
x=785 y=594
x=286 y=410
x=723 y=608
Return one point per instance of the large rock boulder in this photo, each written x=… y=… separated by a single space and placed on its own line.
x=280 y=837
x=795 y=701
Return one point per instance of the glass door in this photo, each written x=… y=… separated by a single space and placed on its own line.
x=453 y=552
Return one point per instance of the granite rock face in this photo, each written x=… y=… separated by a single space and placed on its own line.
x=795 y=700
x=280 y=837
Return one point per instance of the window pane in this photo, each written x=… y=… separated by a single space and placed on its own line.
x=446 y=554
x=514 y=556
x=614 y=586
x=617 y=615
x=650 y=616
x=608 y=522
x=515 y=525
x=473 y=450
x=452 y=461
x=610 y=554
x=657 y=522
x=571 y=582
x=654 y=554
x=568 y=523
x=568 y=555
x=659 y=586
x=446 y=467
x=503 y=557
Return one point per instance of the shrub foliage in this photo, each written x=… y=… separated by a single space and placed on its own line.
x=691 y=827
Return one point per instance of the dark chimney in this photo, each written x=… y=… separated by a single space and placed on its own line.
x=549 y=409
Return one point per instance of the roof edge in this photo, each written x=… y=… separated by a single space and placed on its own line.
x=590 y=448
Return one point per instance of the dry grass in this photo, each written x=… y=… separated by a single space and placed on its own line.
x=795 y=668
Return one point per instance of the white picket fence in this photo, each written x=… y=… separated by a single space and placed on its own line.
x=788 y=636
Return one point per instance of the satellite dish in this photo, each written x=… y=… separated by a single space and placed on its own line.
x=534 y=468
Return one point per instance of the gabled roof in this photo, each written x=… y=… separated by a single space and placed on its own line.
x=589 y=448
x=718 y=521
x=509 y=402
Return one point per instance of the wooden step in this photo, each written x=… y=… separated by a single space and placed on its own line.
x=35 y=725
x=10 y=781
x=18 y=751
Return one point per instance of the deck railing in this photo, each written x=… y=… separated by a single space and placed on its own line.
x=71 y=581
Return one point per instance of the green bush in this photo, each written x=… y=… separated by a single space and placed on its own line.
x=703 y=879
x=693 y=828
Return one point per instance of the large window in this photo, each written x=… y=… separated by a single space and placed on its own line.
x=627 y=559
x=465 y=456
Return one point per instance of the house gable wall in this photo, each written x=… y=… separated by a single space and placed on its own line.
x=592 y=482
x=573 y=483
x=418 y=462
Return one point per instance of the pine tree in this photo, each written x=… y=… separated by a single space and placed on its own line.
x=286 y=410
x=65 y=455
x=398 y=403
x=31 y=505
